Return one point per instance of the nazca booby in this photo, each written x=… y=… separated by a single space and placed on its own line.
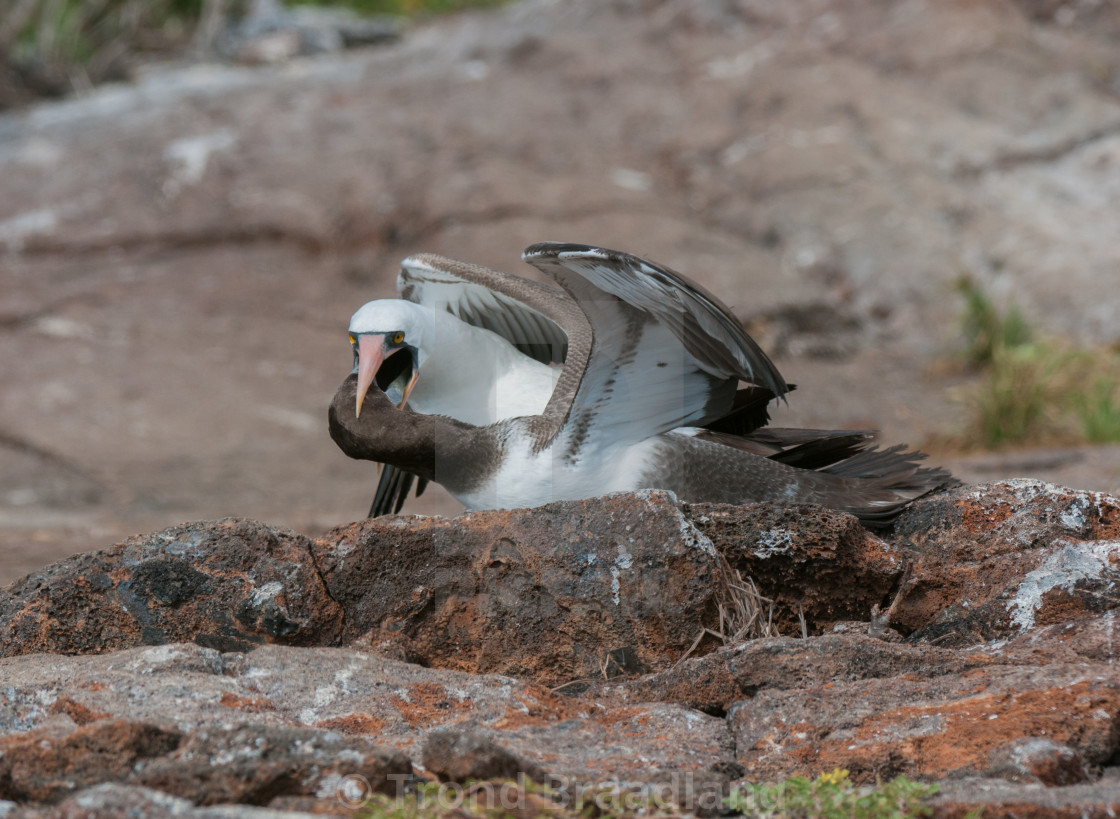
x=647 y=395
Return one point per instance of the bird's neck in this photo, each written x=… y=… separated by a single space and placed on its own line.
x=432 y=446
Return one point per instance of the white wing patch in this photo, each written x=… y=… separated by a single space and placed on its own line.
x=431 y=281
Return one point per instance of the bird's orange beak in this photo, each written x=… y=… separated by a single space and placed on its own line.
x=371 y=355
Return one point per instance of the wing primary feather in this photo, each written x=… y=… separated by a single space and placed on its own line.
x=703 y=323
x=404 y=487
x=392 y=491
x=378 y=506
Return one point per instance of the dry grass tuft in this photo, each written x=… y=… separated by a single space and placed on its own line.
x=744 y=612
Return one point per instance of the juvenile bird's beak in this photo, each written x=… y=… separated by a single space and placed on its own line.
x=371 y=355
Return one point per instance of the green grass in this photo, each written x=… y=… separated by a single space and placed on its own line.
x=56 y=46
x=829 y=796
x=832 y=796
x=985 y=330
x=1098 y=410
x=408 y=8
x=1021 y=397
x=1034 y=390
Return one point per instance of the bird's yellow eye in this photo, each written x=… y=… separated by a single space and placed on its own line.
x=352 y=339
x=398 y=338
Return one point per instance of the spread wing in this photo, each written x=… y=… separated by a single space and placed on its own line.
x=665 y=352
x=486 y=298
x=535 y=318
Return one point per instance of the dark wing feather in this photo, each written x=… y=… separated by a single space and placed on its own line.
x=392 y=491
x=749 y=412
x=665 y=353
x=706 y=327
x=832 y=446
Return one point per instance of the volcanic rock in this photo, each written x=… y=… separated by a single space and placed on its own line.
x=227 y=584
x=952 y=725
x=563 y=591
x=619 y=602
x=997 y=560
x=574 y=590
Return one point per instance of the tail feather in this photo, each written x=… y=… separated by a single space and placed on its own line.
x=873 y=484
x=830 y=447
x=895 y=467
x=892 y=478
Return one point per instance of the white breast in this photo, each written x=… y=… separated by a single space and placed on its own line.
x=526 y=478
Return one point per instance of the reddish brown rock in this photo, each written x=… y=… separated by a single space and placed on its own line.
x=608 y=586
x=1039 y=759
x=334 y=699
x=596 y=591
x=999 y=799
x=716 y=681
x=227 y=584
x=46 y=765
x=115 y=801
x=1092 y=638
x=615 y=585
x=997 y=560
x=812 y=562
x=462 y=755
x=252 y=765
x=952 y=725
x=612 y=585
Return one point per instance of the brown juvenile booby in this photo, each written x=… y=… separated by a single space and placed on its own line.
x=490 y=366
x=647 y=396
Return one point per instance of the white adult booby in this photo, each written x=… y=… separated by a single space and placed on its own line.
x=651 y=359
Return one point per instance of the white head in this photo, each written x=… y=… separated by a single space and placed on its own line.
x=389 y=338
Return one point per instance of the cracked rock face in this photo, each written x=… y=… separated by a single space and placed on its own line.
x=179 y=256
x=228 y=584
x=557 y=593
x=1004 y=558
x=481 y=647
x=561 y=593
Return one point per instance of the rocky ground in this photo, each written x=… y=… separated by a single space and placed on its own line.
x=583 y=645
x=179 y=257
x=178 y=261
